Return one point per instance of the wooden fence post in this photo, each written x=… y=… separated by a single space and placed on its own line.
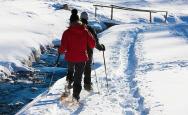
x=166 y=17
x=111 y=12
x=95 y=11
x=150 y=17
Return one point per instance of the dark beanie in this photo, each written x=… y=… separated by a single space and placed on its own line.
x=74 y=17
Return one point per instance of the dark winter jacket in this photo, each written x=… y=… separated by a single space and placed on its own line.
x=75 y=42
x=98 y=46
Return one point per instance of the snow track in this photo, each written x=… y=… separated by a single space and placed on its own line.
x=123 y=65
x=131 y=73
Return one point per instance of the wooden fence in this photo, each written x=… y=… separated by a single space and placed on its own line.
x=131 y=9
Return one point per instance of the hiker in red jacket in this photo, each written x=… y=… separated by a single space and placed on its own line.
x=74 y=43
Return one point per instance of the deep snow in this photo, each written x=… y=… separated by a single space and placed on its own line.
x=147 y=64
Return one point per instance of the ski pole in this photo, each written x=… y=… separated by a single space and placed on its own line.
x=56 y=63
x=105 y=70
x=96 y=77
x=54 y=70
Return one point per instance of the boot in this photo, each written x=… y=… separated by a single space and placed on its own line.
x=75 y=97
x=88 y=87
x=70 y=85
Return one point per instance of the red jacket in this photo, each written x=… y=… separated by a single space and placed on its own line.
x=74 y=43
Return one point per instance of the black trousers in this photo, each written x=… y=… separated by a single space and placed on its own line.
x=87 y=71
x=75 y=71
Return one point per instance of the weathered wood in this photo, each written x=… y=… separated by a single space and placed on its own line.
x=111 y=12
x=150 y=17
x=95 y=11
x=130 y=9
x=166 y=17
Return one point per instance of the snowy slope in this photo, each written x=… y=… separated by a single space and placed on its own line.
x=26 y=27
x=147 y=64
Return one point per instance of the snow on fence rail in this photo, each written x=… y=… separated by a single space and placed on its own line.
x=130 y=9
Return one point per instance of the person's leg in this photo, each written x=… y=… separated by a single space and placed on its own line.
x=70 y=73
x=87 y=71
x=77 y=86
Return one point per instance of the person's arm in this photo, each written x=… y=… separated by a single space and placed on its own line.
x=99 y=46
x=63 y=45
x=90 y=39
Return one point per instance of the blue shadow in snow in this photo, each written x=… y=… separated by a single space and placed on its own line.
x=142 y=20
x=96 y=65
x=180 y=30
x=171 y=19
x=80 y=108
x=58 y=6
x=56 y=42
x=158 y=20
x=184 y=18
x=47 y=102
x=146 y=67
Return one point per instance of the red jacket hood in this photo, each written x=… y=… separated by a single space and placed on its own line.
x=76 y=27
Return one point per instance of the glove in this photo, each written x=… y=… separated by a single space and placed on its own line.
x=59 y=50
x=102 y=47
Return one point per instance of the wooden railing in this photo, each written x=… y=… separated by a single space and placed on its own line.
x=131 y=9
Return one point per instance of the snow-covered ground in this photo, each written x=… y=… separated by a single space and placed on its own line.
x=147 y=64
x=26 y=27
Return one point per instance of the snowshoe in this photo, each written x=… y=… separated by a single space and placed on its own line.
x=66 y=93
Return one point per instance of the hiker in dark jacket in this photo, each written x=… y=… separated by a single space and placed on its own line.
x=74 y=43
x=101 y=47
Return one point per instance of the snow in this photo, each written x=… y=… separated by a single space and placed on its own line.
x=147 y=64
x=163 y=66
x=166 y=93
x=25 y=27
x=166 y=47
